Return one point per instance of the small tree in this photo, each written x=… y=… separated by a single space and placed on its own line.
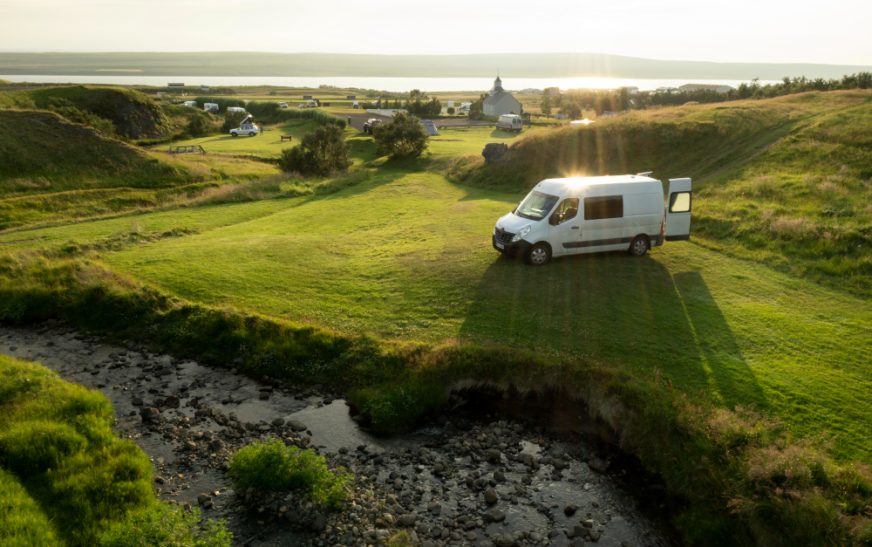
x=319 y=153
x=571 y=110
x=545 y=106
x=197 y=126
x=476 y=109
x=403 y=137
x=232 y=120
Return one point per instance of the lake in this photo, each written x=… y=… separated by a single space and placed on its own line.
x=384 y=84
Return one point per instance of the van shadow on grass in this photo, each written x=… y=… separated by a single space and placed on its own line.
x=613 y=308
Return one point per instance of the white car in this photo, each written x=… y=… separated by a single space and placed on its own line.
x=247 y=127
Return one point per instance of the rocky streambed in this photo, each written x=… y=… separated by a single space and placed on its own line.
x=467 y=479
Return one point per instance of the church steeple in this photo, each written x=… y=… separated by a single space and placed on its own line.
x=498 y=84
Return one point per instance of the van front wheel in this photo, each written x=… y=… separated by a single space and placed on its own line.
x=639 y=246
x=539 y=255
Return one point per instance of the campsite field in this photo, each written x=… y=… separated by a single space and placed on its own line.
x=734 y=366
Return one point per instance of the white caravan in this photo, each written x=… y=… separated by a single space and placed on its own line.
x=592 y=214
x=210 y=107
x=510 y=122
x=235 y=110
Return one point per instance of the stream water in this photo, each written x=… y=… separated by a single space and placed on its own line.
x=463 y=480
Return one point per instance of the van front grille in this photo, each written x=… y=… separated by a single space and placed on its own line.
x=503 y=236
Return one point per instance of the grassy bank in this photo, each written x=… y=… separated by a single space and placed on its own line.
x=67 y=480
x=786 y=182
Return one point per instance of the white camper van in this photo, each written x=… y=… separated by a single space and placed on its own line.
x=210 y=107
x=510 y=122
x=235 y=110
x=592 y=214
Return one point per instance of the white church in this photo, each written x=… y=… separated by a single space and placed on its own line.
x=499 y=101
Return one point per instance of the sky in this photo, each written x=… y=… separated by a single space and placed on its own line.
x=831 y=32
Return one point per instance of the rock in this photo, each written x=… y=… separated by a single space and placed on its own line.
x=499 y=476
x=493 y=455
x=434 y=508
x=577 y=531
x=136 y=401
x=278 y=422
x=407 y=521
x=594 y=535
x=599 y=465
x=215 y=445
x=491 y=496
x=150 y=415
x=577 y=542
x=587 y=523
x=318 y=523
x=570 y=510
x=171 y=401
x=205 y=500
x=296 y=425
x=495 y=515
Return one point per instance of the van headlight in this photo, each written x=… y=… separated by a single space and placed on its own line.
x=522 y=232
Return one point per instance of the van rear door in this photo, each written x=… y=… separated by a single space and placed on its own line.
x=678 y=207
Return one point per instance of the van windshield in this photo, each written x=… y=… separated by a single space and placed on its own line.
x=536 y=205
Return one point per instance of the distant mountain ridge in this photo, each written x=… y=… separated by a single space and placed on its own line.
x=528 y=65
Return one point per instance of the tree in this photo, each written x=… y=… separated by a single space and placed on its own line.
x=545 y=105
x=232 y=120
x=403 y=137
x=319 y=153
x=476 y=109
x=571 y=110
x=198 y=126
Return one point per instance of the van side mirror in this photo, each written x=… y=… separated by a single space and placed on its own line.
x=555 y=219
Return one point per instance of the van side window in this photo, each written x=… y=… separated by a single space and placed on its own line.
x=679 y=202
x=603 y=207
x=568 y=209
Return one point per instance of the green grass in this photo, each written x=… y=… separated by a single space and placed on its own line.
x=266 y=145
x=22 y=523
x=66 y=479
x=56 y=439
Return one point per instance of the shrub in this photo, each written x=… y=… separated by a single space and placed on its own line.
x=232 y=120
x=320 y=153
x=167 y=524
x=403 y=137
x=271 y=466
x=198 y=126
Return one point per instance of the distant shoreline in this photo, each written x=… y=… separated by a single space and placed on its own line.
x=387 y=84
x=509 y=65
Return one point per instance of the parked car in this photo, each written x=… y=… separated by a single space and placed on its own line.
x=283 y=105
x=579 y=215
x=247 y=127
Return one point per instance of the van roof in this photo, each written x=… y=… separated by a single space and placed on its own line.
x=563 y=185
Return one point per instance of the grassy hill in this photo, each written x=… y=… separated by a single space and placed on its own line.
x=117 y=111
x=51 y=168
x=785 y=181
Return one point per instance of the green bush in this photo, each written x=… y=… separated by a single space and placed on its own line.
x=232 y=120
x=169 y=525
x=319 y=153
x=403 y=137
x=271 y=466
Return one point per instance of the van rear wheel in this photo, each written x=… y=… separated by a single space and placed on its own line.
x=639 y=246
x=539 y=255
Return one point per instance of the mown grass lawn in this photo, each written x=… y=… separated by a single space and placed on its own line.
x=265 y=145
x=407 y=255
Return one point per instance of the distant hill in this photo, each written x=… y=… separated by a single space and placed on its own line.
x=529 y=65
x=121 y=112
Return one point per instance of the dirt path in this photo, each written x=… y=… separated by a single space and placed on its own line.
x=462 y=482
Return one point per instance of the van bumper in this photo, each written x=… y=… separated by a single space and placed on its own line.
x=518 y=248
